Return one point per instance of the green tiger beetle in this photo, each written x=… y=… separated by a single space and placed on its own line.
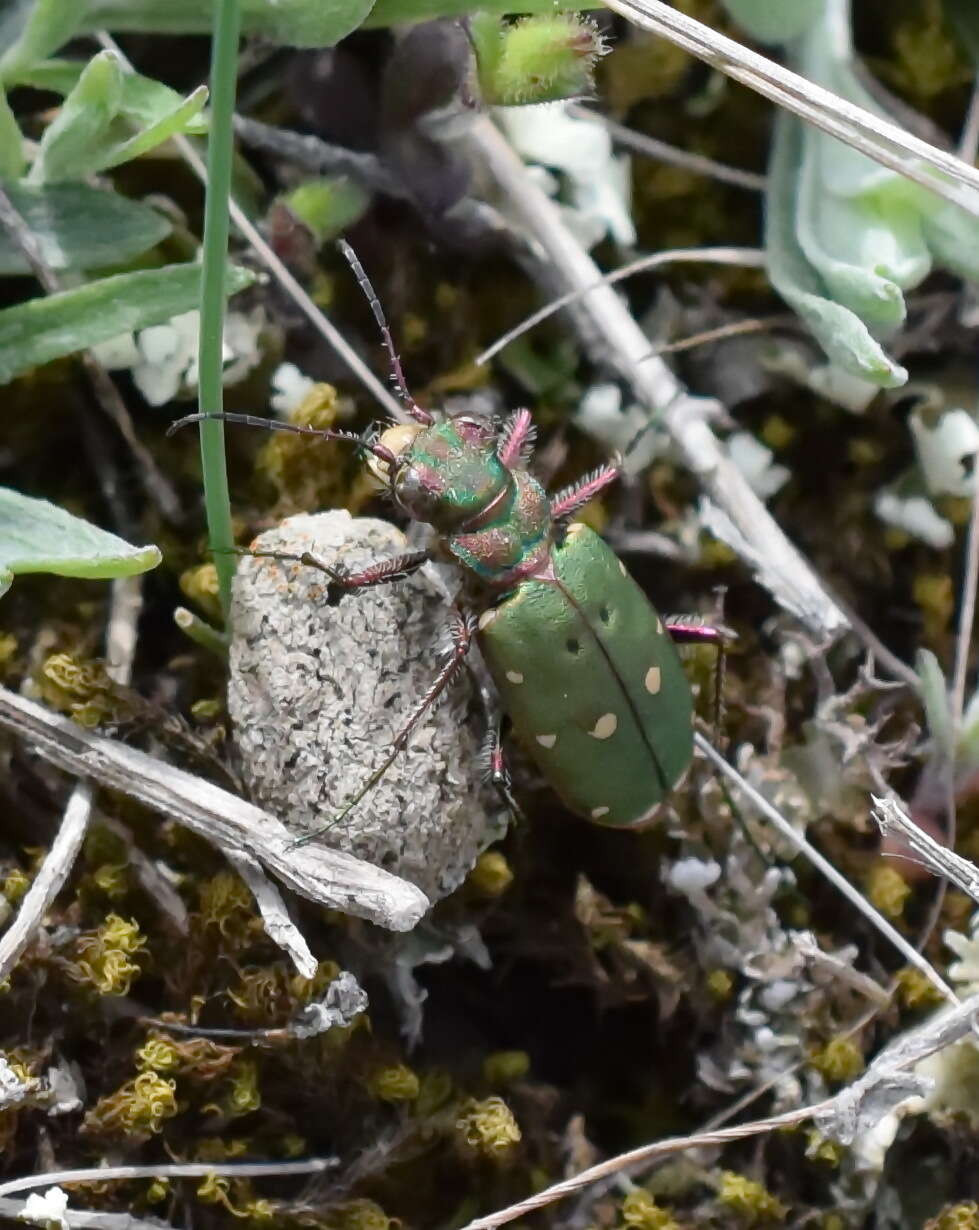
x=585 y=668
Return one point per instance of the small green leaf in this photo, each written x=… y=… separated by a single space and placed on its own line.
x=71 y=142
x=842 y=335
x=36 y=536
x=43 y=329
x=934 y=695
x=31 y=31
x=328 y=206
x=172 y=123
x=78 y=227
x=953 y=236
x=774 y=21
x=144 y=101
x=11 y=142
x=293 y=23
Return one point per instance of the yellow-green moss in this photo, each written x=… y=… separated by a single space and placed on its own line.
x=396 y=1083
x=962 y=1216
x=104 y=957
x=840 y=1060
x=821 y=1148
x=112 y=879
x=641 y=1212
x=488 y=1127
x=935 y=595
x=226 y=903
x=243 y=1095
x=216 y=1190
x=137 y=1109
x=720 y=984
x=505 y=1067
x=915 y=990
x=358 y=1215
x=15 y=884
x=751 y=1203
x=887 y=889
x=492 y=875
x=200 y=585
x=78 y=687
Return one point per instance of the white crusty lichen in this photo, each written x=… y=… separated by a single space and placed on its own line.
x=318 y=692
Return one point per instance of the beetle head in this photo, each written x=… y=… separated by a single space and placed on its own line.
x=446 y=473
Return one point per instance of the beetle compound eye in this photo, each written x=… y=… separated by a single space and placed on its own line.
x=573 y=645
x=604 y=614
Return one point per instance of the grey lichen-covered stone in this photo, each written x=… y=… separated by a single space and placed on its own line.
x=317 y=693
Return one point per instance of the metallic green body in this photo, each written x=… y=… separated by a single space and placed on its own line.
x=592 y=683
x=583 y=664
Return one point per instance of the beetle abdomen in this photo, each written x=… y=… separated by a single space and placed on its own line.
x=592 y=683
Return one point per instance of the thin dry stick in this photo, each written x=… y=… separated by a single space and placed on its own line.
x=737 y=328
x=843 y=1117
x=878 y=138
x=609 y=332
x=106 y=393
x=967 y=614
x=57 y=864
x=176 y=1170
x=662 y=152
x=275 y=917
x=645 y=1153
x=753 y=258
x=314 y=154
x=892 y=818
x=826 y=868
x=327 y=331
x=328 y=877
x=82 y=1219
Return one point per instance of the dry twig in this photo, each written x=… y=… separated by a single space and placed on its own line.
x=615 y=340
x=878 y=138
x=326 y=876
x=893 y=819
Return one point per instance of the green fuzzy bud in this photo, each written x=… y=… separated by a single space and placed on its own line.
x=328 y=206
x=537 y=59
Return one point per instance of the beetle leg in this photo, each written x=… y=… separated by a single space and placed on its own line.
x=517 y=440
x=492 y=756
x=685 y=631
x=569 y=499
x=460 y=641
x=380 y=572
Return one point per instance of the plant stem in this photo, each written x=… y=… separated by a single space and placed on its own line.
x=224 y=65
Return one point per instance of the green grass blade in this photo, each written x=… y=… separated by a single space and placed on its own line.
x=224 y=67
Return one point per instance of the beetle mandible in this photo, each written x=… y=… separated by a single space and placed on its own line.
x=585 y=667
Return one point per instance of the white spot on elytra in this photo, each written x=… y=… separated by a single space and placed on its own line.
x=546 y=740
x=486 y=619
x=598 y=812
x=659 y=626
x=605 y=727
x=514 y=676
x=654 y=677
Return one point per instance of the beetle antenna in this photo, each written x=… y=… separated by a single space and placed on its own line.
x=364 y=442
x=419 y=414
